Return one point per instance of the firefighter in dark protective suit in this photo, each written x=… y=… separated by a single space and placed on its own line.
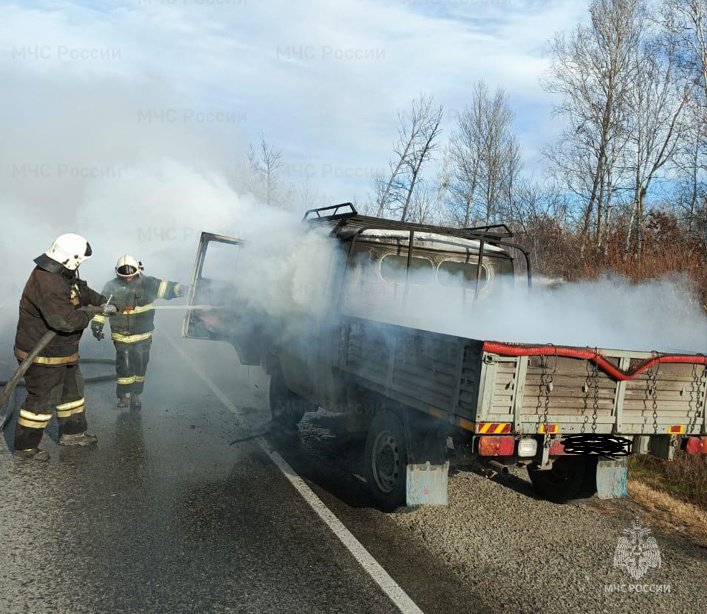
x=50 y=302
x=131 y=329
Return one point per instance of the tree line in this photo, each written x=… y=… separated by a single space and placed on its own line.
x=626 y=182
x=626 y=178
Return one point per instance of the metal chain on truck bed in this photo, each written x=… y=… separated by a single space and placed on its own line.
x=546 y=385
x=652 y=390
x=585 y=401
x=595 y=376
x=696 y=385
x=591 y=382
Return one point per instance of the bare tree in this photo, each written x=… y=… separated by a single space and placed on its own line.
x=485 y=159
x=430 y=118
x=425 y=203
x=265 y=164
x=592 y=71
x=685 y=23
x=691 y=194
x=418 y=131
x=540 y=219
x=501 y=158
x=465 y=152
x=657 y=103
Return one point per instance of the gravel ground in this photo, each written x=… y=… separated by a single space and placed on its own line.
x=514 y=552
x=530 y=555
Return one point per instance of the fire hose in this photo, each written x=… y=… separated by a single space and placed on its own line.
x=10 y=385
x=512 y=349
x=19 y=374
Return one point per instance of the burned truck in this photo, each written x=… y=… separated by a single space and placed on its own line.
x=420 y=398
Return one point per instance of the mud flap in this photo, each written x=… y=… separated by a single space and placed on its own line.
x=611 y=478
x=427 y=484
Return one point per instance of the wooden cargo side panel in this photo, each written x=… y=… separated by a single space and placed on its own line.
x=679 y=395
x=570 y=387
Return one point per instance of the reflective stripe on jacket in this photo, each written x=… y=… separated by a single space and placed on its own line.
x=135 y=303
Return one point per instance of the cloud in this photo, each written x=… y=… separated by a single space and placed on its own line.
x=321 y=79
x=126 y=120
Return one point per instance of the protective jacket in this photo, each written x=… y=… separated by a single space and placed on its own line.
x=134 y=299
x=50 y=301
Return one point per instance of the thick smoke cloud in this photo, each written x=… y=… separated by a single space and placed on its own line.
x=82 y=155
x=88 y=156
x=110 y=152
x=609 y=313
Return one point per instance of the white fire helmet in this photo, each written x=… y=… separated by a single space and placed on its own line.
x=128 y=267
x=69 y=250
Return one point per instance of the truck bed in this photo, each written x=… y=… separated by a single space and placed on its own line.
x=479 y=385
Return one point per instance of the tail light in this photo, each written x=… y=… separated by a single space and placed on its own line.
x=696 y=445
x=557 y=448
x=496 y=446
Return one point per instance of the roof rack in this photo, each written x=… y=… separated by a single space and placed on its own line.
x=355 y=224
x=505 y=232
x=316 y=214
x=350 y=226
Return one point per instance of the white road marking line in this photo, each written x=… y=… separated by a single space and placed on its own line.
x=379 y=575
x=390 y=587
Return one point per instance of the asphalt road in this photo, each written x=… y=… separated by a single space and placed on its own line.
x=167 y=514
x=183 y=507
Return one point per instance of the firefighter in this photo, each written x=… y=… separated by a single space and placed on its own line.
x=133 y=293
x=50 y=301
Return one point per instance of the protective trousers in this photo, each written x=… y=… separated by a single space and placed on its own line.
x=50 y=389
x=131 y=365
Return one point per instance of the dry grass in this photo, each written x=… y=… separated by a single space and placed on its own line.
x=684 y=478
x=559 y=252
x=668 y=512
x=674 y=493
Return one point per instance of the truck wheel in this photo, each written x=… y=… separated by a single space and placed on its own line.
x=286 y=407
x=561 y=483
x=386 y=461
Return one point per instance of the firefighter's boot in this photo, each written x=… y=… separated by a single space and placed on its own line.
x=124 y=401
x=135 y=402
x=80 y=439
x=31 y=454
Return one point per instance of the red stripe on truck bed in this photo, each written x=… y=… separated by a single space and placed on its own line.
x=511 y=349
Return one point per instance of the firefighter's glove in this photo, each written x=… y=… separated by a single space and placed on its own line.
x=109 y=310
x=182 y=289
x=97 y=330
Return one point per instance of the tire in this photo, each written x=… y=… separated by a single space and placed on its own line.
x=563 y=482
x=286 y=407
x=385 y=461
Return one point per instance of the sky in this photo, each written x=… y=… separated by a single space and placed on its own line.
x=321 y=80
x=127 y=121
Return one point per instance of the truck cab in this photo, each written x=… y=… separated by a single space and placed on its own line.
x=418 y=389
x=379 y=269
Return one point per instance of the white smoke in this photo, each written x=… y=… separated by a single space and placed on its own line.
x=291 y=272
x=610 y=313
x=91 y=154
x=95 y=157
